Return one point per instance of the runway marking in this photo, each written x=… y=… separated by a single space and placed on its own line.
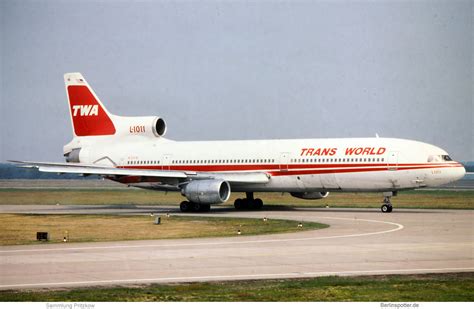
x=397 y=228
x=260 y=276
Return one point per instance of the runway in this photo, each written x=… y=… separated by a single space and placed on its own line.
x=358 y=242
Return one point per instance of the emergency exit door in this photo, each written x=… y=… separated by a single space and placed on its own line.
x=392 y=161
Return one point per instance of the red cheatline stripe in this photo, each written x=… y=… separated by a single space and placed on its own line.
x=338 y=171
x=275 y=169
x=270 y=167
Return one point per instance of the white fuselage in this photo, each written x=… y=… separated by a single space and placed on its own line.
x=302 y=165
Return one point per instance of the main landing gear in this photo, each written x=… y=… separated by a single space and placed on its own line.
x=248 y=203
x=387 y=205
x=186 y=206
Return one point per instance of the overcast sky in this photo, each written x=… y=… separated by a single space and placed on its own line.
x=242 y=70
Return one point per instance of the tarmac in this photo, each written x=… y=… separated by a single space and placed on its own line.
x=358 y=242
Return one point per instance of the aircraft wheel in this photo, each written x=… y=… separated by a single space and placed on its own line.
x=197 y=207
x=238 y=203
x=184 y=206
x=206 y=207
x=390 y=208
x=385 y=208
x=258 y=203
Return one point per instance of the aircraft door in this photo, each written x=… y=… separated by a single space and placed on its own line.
x=392 y=161
x=284 y=157
x=166 y=162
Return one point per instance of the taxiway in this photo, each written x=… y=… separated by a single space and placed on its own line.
x=359 y=242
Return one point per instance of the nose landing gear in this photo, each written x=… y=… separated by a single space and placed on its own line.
x=387 y=205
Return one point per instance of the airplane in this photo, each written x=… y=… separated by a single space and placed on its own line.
x=134 y=151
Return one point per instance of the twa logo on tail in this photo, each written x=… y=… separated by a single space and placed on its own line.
x=88 y=115
x=85 y=110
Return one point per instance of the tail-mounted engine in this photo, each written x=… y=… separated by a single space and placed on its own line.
x=159 y=126
x=151 y=126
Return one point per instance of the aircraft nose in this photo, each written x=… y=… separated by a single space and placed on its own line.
x=459 y=172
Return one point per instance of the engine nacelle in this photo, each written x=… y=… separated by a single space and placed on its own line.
x=152 y=126
x=159 y=127
x=310 y=195
x=212 y=191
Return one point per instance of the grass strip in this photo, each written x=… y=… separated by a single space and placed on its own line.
x=406 y=199
x=20 y=229
x=389 y=288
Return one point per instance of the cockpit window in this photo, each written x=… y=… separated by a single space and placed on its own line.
x=446 y=158
x=439 y=158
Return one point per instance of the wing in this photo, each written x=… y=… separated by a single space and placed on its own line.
x=164 y=176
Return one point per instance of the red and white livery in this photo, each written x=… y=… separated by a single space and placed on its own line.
x=132 y=150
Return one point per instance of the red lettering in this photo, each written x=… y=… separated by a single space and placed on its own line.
x=349 y=151
x=333 y=151
x=303 y=150
x=325 y=152
x=372 y=151
x=381 y=150
x=137 y=129
x=358 y=151
x=318 y=152
x=310 y=151
x=366 y=151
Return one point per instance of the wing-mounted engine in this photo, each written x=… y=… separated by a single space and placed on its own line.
x=310 y=195
x=207 y=191
x=150 y=126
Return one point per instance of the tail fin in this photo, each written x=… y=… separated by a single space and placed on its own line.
x=88 y=115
